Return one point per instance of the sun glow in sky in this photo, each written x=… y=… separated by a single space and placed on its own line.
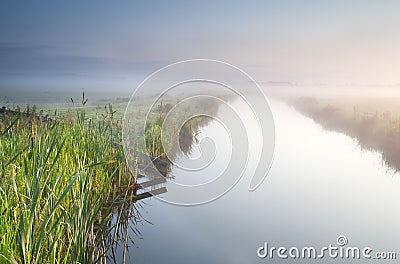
x=114 y=45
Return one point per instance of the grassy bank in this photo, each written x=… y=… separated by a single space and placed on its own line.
x=58 y=183
x=65 y=189
x=374 y=124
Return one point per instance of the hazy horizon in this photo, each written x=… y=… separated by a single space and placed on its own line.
x=100 y=46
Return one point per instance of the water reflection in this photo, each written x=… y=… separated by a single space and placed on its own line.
x=372 y=131
x=150 y=181
x=320 y=186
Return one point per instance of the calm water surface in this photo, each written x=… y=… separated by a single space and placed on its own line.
x=321 y=185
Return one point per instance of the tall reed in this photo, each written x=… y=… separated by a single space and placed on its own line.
x=65 y=189
x=58 y=184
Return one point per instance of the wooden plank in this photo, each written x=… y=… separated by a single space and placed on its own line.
x=148 y=194
x=150 y=183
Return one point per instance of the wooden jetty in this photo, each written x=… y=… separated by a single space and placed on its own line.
x=153 y=186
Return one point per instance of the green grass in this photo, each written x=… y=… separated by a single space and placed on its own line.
x=63 y=183
x=58 y=185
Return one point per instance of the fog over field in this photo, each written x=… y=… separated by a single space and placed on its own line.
x=81 y=156
x=51 y=49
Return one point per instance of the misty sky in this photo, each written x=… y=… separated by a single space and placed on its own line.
x=114 y=45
